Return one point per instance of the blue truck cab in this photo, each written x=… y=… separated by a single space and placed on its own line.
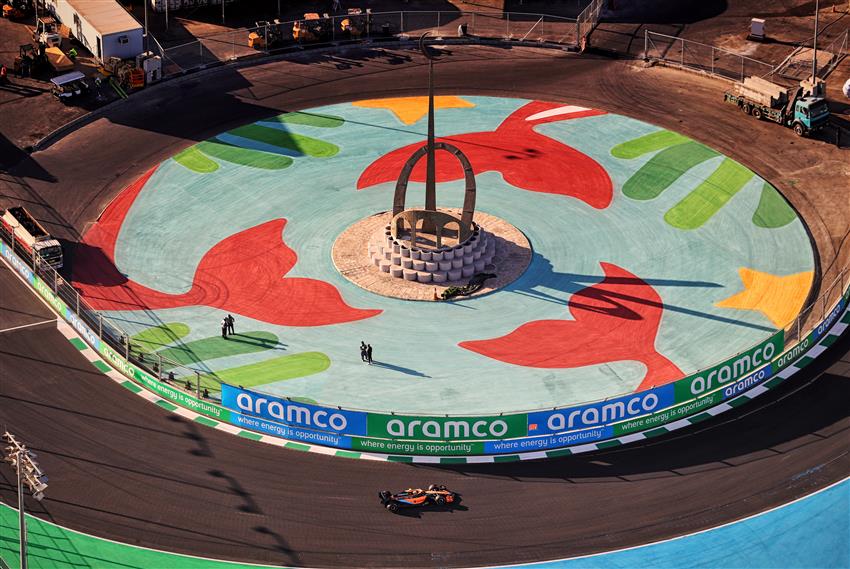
x=810 y=114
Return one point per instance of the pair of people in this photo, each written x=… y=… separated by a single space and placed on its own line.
x=366 y=352
x=227 y=326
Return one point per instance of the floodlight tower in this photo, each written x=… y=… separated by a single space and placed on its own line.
x=28 y=471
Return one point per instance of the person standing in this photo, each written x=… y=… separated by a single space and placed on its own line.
x=369 y=353
x=224 y=327
x=362 y=351
x=230 y=322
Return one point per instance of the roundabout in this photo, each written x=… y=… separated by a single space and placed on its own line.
x=140 y=473
x=632 y=256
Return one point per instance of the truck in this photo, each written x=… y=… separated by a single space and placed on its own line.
x=31 y=237
x=802 y=108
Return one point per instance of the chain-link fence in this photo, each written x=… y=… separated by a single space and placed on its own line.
x=588 y=19
x=275 y=37
x=702 y=57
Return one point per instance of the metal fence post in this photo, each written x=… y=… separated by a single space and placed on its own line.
x=100 y=325
x=742 y=70
x=401 y=22
x=198 y=384
x=77 y=298
x=473 y=23
x=508 y=26
x=646 y=45
x=712 y=60
x=798 y=327
x=682 y=54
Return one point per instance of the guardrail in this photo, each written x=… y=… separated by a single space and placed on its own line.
x=583 y=427
x=288 y=36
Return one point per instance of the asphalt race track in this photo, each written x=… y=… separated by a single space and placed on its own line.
x=124 y=469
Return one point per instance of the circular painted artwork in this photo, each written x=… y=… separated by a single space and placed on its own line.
x=651 y=256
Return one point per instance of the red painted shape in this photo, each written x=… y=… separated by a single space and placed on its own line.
x=243 y=274
x=526 y=159
x=614 y=320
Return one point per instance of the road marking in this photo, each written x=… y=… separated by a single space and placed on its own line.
x=26 y=325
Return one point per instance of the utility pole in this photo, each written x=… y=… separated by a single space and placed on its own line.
x=815 y=47
x=145 y=3
x=28 y=471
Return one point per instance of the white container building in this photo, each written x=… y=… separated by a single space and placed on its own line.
x=104 y=27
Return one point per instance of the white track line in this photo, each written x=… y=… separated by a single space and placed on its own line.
x=27 y=325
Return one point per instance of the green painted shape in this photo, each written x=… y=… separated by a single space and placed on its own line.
x=647 y=143
x=79 y=344
x=297 y=446
x=131 y=386
x=166 y=405
x=194 y=160
x=846 y=318
x=656 y=432
x=268 y=371
x=218 y=347
x=205 y=421
x=153 y=339
x=452 y=460
x=102 y=366
x=829 y=340
x=773 y=211
x=245 y=156
x=738 y=401
x=698 y=206
x=399 y=458
x=291 y=141
x=347 y=454
x=700 y=418
x=803 y=362
x=557 y=453
x=250 y=435
x=309 y=119
x=608 y=444
x=665 y=168
x=506 y=458
x=53 y=547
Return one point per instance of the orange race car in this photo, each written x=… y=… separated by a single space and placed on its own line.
x=411 y=498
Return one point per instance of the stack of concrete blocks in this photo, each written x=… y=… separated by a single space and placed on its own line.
x=447 y=264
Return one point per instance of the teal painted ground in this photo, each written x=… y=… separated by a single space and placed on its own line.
x=182 y=213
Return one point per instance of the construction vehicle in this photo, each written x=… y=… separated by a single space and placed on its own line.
x=267 y=36
x=69 y=86
x=802 y=108
x=31 y=238
x=357 y=23
x=119 y=70
x=47 y=32
x=17 y=9
x=312 y=28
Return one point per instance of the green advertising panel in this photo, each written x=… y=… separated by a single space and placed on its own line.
x=671 y=414
x=417 y=447
x=446 y=428
x=734 y=368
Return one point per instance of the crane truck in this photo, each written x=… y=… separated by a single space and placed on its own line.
x=803 y=108
x=31 y=237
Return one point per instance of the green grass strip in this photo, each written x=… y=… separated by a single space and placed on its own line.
x=665 y=168
x=218 y=347
x=773 y=211
x=309 y=119
x=245 y=156
x=303 y=145
x=79 y=344
x=53 y=547
x=268 y=371
x=194 y=160
x=156 y=338
x=702 y=203
x=647 y=143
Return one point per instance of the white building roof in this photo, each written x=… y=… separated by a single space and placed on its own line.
x=106 y=16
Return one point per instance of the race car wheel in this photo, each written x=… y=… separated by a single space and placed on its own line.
x=393 y=507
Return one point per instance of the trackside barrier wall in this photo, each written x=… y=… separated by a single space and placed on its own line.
x=464 y=436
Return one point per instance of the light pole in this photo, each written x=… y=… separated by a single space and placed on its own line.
x=28 y=471
x=431 y=167
x=815 y=48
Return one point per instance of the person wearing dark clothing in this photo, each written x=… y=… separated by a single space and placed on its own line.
x=224 y=328
x=369 y=353
x=230 y=320
x=362 y=351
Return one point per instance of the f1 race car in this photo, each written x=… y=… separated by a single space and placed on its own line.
x=415 y=497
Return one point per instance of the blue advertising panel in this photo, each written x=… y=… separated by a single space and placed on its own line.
x=529 y=444
x=291 y=433
x=292 y=413
x=748 y=382
x=601 y=413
